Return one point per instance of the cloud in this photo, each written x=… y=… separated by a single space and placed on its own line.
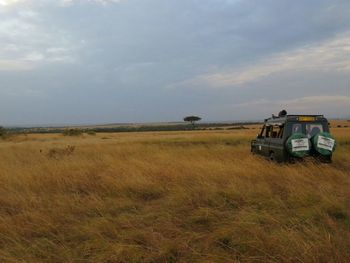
x=309 y=104
x=300 y=104
x=8 y=2
x=12 y=3
x=13 y=65
x=330 y=105
x=331 y=55
x=103 y=2
x=27 y=42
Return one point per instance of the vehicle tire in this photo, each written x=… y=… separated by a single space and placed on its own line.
x=298 y=145
x=272 y=156
x=324 y=144
x=324 y=159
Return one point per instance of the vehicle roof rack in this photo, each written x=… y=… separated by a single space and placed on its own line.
x=282 y=118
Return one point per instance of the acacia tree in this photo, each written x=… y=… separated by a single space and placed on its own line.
x=192 y=119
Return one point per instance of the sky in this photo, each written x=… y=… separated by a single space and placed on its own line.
x=116 y=61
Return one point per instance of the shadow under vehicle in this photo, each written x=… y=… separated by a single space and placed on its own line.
x=294 y=137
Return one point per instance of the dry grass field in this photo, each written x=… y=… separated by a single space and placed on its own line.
x=169 y=197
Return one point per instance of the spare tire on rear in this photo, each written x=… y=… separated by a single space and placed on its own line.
x=324 y=143
x=298 y=145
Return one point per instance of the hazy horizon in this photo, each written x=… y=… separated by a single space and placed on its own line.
x=77 y=62
x=60 y=125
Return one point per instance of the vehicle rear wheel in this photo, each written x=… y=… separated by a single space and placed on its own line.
x=272 y=156
x=324 y=159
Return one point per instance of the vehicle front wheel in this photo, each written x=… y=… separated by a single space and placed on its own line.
x=252 y=149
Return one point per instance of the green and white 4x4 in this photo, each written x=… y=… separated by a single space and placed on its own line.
x=289 y=137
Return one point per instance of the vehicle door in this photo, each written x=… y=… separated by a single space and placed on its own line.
x=276 y=141
x=262 y=141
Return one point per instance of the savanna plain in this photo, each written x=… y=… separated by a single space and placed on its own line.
x=196 y=196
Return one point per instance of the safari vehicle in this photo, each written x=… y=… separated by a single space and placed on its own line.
x=291 y=137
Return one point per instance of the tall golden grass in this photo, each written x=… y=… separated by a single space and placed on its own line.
x=169 y=197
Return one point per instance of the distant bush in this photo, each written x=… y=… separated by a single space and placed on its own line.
x=72 y=132
x=91 y=132
x=238 y=128
x=2 y=132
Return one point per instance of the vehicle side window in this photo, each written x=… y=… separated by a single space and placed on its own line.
x=261 y=134
x=268 y=131
x=296 y=128
x=280 y=132
x=277 y=131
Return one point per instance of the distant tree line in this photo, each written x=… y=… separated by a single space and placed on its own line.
x=67 y=131
x=141 y=128
x=2 y=131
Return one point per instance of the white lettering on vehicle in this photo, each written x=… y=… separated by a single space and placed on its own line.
x=325 y=143
x=299 y=145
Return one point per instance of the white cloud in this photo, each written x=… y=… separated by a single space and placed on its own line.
x=8 y=2
x=303 y=103
x=12 y=3
x=14 y=65
x=332 y=55
x=104 y=2
x=34 y=56
x=330 y=105
x=26 y=41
